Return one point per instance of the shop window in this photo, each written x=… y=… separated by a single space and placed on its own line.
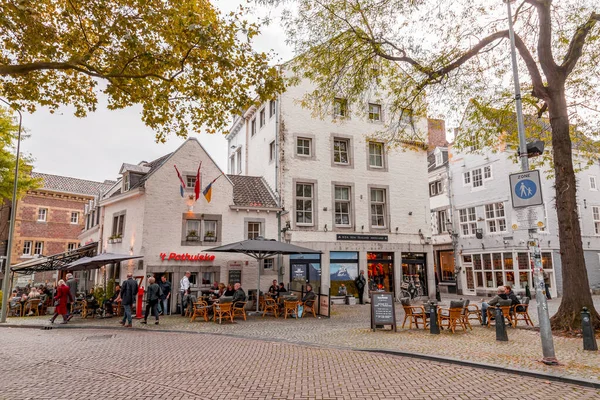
x=510 y=278
x=477 y=262
x=305 y=268
x=499 y=278
x=414 y=270
x=447 y=265
x=489 y=280
x=497 y=260
x=523 y=260
x=467 y=258
x=524 y=279
x=547 y=260
x=380 y=271
x=508 y=261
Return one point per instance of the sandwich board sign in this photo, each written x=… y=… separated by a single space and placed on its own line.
x=525 y=189
x=383 y=311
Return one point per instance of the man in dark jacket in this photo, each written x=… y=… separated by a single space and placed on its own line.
x=495 y=300
x=153 y=295
x=165 y=287
x=360 y=282
x=510 y=295
x=309 y=295
x=72 y=284
x=129 y=290
x=239 y=294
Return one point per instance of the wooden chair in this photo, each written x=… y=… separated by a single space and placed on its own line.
x=414 y=314
x=239 y=309
x=290 y=307
x=261 y=302
x=521 y=313
x=32 y=305
x=507 y=312
x=270 y=306
x=200 y=310
x=465 y=314
x=16 y=309
x=453 y=317
x=309 y=306
x=473 y=312
x=223 y=310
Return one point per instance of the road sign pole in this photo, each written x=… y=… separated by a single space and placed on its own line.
x=540 y=295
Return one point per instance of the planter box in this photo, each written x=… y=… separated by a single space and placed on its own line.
x=119 y=240
x=192 y=239
x=210 y=239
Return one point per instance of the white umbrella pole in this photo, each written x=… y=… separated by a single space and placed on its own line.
x=260 y=264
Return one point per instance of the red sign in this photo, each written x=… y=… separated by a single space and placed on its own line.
x=187 y=257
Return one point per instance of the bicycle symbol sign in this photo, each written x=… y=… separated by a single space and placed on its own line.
x=525 y=189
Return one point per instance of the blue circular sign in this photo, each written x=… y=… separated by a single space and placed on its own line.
x=525 y=189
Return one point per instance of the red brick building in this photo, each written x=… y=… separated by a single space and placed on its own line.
x=49 y=219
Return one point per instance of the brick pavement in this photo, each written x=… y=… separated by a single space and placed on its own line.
x=348 y=328
x=101 y=364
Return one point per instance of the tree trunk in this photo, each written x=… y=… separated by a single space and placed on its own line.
x=576 y=286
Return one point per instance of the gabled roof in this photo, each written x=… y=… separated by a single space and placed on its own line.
x=140 y=168
x=67 y=184
x=252 y=191
x=152 y=166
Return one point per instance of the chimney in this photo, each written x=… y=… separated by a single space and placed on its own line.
x=436 y=129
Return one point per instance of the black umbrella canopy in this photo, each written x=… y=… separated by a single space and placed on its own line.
x=261 y=248
x=87 y=263
x=80 y=265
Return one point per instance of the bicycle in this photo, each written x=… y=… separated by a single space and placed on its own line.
x=412 y=288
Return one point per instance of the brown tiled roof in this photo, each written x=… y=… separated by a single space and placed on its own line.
x=67 y=184
x=252 y=191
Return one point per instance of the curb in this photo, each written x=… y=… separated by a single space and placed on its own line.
x=440 y=359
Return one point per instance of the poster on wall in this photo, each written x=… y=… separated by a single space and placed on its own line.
x=235 y=276
x=298 y=272
x=342 y=276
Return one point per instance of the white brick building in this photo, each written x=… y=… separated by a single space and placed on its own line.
x=362 y=203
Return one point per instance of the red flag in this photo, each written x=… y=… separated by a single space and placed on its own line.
x=198 y=182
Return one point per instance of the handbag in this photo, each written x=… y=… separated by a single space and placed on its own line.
x=56 y=303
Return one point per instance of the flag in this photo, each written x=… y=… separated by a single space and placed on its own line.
x=207 y=192
x=182 y=187
x=198 y=182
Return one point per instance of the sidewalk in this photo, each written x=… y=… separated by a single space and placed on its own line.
x=348 y=328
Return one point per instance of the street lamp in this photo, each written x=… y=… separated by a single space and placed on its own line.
x=13 y=212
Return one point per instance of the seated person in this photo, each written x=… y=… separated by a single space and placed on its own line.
x=274 y=288
x=495 y=300
x=309 y=295
x=342 y=291
x=221 y=291
x=189 y=299
x=281 y=289
x=229 y=291
x=239 y=294
x=34 y=294
x=91 y=302
x=510 y=295
x=111 y=302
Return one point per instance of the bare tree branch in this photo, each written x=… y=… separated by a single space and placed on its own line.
x=576 y=46
x=544 y=47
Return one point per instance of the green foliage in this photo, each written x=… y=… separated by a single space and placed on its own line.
x=188 y=65
x=9 y=130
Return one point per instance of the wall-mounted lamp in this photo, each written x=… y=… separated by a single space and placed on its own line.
x=483 y=246
x=325 y=228
x=549 y=243
x=396 y=230
x=584 y=203
x=410 y=213
x=362 y=227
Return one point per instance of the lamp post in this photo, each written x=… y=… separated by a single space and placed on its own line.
x=549 y=356
x=13 y=211
x=454 y=238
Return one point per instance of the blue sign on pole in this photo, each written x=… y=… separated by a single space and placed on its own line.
x=525 y=189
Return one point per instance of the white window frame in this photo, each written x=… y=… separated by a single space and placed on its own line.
x=27 y=247
x=596 y=217
x=232 y=164
x=206 y=223
x=42 y=215
x=468 y=221
x=593 y=183
x=272 y=108
x=193 y=225
x=467 y=178
x=477 y=177
x=262 y=117
x=340 y=107
x=253 y=127
x=190 y=181
x=75 y=220
x=375 y=203
x=305 y=200
x=126 y=182
x=272 y=151
x=495 y=218
x=238 y=157
x=441 y=221
x=38 y=249
x=339 y=152
x=373 y=155
x=253 y=233
x=306 y=145
x=439 y=158
x=71 y=246
x=487 y=170
x=436 y=188
x=375 y=112
x=341 y=202
x=269 y=263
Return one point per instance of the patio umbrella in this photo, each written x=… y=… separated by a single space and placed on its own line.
x=261 y=248
x=79 y=265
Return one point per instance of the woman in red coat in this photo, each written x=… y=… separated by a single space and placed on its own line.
x=62 y=295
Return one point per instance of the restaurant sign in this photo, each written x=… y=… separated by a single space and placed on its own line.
x=186 y=257
x=368 y=238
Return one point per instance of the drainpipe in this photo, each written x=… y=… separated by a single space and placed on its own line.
x=277 y=191
x=455 y=228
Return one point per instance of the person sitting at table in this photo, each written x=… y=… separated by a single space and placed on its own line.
x=221 y=290
x=239 y=294
x=34 y=294
x=274 y=288
x=108 y=303
x=281 y=289
x=229 y=291
x=91 y=303
x=501 y=295
x=510 y=295
x=309 y=295
x=188 y=299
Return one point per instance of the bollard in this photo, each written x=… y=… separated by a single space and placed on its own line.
x=434 y=328
x=501 y=334
x=589 y=337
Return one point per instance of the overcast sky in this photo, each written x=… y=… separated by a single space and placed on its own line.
x=95 y=147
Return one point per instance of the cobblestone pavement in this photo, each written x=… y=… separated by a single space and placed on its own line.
x=101 y=364
x=348 y=328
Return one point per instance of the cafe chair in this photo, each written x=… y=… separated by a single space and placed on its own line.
x=522 y=313
x=414 y=314
x=32 y=305
x=473 y=312
x=507 y=312
x=223 y=311
x=200 y=310
x=270 y=306
x=239 y=309
x=290 y=307
x=16 y=310
x=310 y=307
x=452 y=316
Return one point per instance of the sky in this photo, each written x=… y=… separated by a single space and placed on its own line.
x=94 y=147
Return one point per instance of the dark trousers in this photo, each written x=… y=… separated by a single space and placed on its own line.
x=361 y=292
x=182 y=304
x=152 y=304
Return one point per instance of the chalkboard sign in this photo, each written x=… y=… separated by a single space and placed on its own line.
x=383 y=311
x=235 y=276
x=298 y=272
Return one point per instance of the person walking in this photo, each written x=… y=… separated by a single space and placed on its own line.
x=129 y=290
x=360 y=282
x=165 y=286
x=153 y=295
x=63 y=296
x=184 y=286
x=72 y=284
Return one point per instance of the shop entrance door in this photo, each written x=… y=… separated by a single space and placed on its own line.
x=414 y=271
x=305 y=268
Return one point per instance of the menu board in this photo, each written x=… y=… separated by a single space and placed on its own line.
x=235 y=276
x=382 y=309
x=298 y=272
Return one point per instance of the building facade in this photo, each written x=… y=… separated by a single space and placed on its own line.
x=144 y=214
x=363 y=203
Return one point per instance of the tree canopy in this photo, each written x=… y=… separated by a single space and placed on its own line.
x=188 y=65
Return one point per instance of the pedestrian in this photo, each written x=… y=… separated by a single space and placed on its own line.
x=153 y=295
x=184 y=285
x=129 y=290
x=63 y=297
x=72 y=284
x=360 y=282
x=165 y=286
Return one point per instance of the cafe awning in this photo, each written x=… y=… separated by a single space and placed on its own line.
x=87 y=263
x=54 y=262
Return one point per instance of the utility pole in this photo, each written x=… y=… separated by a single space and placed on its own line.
x=549 y=356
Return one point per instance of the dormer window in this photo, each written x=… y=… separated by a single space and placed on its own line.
x=126 y=182
x=439 y=159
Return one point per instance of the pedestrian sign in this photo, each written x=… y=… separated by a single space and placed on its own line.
x=525 y=189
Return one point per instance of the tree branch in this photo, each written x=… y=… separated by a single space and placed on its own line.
x=544 y=48
x=576 y=46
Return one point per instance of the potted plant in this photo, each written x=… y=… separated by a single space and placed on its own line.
x=209 y=236
x=192 y=236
